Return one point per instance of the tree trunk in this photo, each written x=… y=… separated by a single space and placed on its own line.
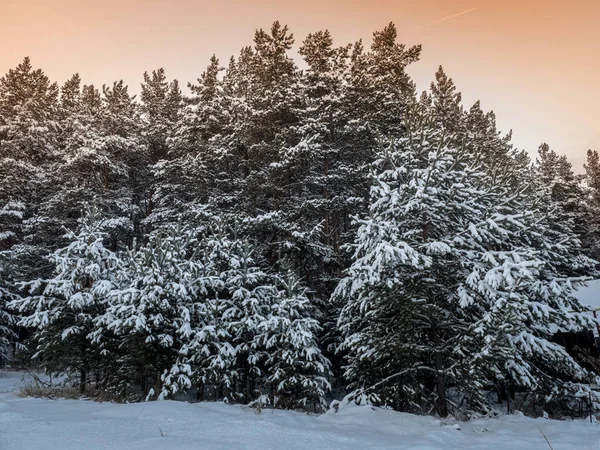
x=442 y=406
x=82 y=381
x=326 y=228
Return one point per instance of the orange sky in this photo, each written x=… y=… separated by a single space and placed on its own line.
x=534 y=62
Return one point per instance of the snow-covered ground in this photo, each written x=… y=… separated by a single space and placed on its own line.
x=31 y=423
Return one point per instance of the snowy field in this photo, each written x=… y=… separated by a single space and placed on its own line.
x=31 y=424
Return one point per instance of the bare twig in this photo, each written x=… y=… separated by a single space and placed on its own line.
x=547 y=441
x=37 y=379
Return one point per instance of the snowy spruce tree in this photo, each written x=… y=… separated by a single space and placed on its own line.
x=11 y=215
x=591 y=237
x=63 y=308
x=7 y=321
x=160 y=105
x=28 y=146
x=160 y=108
x=139 y=326
x=457 y=282
x=297 y=371
x=185 y=174
x=250 y=333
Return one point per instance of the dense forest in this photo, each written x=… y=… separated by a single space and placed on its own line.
x=276 y=235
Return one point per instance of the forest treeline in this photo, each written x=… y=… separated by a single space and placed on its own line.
x=275 y=231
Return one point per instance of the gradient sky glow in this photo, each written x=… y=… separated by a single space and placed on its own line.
x=534 y=62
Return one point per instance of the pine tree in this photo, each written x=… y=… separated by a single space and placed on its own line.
x=7 y=322
x=322 y=189
x=494 y=151
x=161 y=103
x=250 y=332
x=456 y=275
x=296 y=368
x=400 y=321
x=63 y=308
x=380 y=88
x=160 y=111
x=67 y=178
x=11 y=216
x=446 y=102
x=95 y=164
x=28 y=144
x=155 y=288
x=591 y=236
x=28 y=103
x=120 y=122
x=184 y=179
x=566 y=192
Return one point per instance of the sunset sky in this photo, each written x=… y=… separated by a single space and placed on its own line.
x=534 y=62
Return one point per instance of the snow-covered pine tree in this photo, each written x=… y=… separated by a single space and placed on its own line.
x=7 y=333
x=401 y=322
x=7 y=319
x=522 y=284
x=566 y=193
x=10 y=216
x=219 y=351
x=264 y=94
x=186 y=175
x=63 y=308
x=380 y=90
x=459 y=278
x=322 y=187
x=120 y=123
x=28 y=102
x=99 y=151
x=446 y=103
x=494 y=151
x=542 y=264
x=591 y=238
x=250 y=332
x=161 y=103
x=156 y=286
x=71 y=180
x=295 y=366
x=28 y=145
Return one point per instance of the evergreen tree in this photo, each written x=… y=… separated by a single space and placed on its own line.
x=28 y=102
x=94 y=166
x=323 y=187
x=11 y=215
x=161 y=103
x=28 y=144
x=160 y=111
x=250 y=332
x=380 y=88
x=456 y=277
x=182 y=178
x=591 y=237
x=155 y=288
x=64 y=307
x=7 y=323
x=566 y=193
x=296 y=368
x=446 y=102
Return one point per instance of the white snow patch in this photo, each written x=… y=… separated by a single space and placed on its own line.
x=29 y=423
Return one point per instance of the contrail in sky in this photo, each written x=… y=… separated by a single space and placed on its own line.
x=449 y=17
